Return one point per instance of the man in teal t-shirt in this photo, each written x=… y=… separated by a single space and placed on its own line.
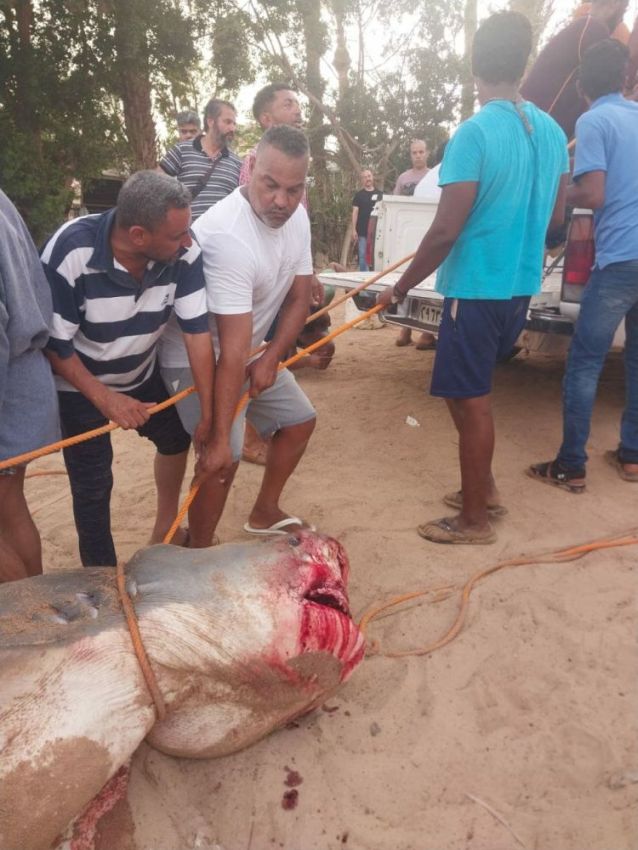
x=503 y=182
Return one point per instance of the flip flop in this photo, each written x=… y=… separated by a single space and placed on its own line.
x=443 y=531
x=614 y=460
x=455 y=500
x=550 y=473
x=279 y=527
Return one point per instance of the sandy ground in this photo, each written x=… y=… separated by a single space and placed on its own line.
x=533 y=709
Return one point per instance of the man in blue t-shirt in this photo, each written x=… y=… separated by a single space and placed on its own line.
x=503 y=182
x=605 y=180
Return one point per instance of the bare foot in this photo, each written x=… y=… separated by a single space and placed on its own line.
x=404 y=338
x=426 y=342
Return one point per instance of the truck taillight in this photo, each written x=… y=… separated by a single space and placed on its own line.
x=580 y=251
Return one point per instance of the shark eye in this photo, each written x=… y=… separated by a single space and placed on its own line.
x=294 y=540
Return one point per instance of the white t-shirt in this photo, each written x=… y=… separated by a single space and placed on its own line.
x=249 y=268
x=428 y=189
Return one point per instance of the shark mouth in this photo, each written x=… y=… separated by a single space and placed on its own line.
x=327 y=625
x=329 y=595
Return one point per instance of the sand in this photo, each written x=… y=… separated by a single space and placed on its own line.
x=531 y=712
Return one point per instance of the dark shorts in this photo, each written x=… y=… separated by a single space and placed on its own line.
x=164 y=429
x=474 y=335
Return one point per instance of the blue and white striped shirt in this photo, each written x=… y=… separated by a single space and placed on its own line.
x=102 y=314
x=189 y=163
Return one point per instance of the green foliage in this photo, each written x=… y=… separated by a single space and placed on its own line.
x=76 y=74
x=330 y=205
x=57 y=117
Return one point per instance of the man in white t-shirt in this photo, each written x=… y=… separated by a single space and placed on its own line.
x=257 y=263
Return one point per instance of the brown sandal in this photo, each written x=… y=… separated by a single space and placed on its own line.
x=455 y=500
x=444 y=530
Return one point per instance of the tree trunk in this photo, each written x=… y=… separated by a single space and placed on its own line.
x=19 y=32
x=133 y=72
x=310 y=12
x=470 y=18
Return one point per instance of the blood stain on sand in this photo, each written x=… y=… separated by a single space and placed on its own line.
x=290 y=799
x=293 y=778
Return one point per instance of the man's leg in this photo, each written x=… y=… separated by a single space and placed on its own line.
x=207 y=509
x=456 y=409
x=284 y=453
x=20 y=550
x=628 y=449
x=404 y=338
x=363 y=244
x=605 y=302
x=474 y=422
x=91 y=478
x=169 y=474
x=165 y=430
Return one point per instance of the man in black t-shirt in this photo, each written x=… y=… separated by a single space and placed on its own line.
x=362 y=206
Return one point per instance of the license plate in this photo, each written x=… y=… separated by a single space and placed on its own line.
x=428 y=314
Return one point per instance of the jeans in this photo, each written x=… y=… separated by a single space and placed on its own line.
x=610 y=296
x=89 y=464
x=363 y=242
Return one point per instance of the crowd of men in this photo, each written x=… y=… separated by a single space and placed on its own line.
x=125 y=308
x=137 y=303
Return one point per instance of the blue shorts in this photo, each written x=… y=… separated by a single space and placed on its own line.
x=474 y=335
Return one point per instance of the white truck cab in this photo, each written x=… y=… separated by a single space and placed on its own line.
x=397 y=226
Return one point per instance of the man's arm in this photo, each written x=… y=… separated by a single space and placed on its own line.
x=590 y=163
x=235 y=334
x=587 y=191
x=355 y=216
x=557 y=219
x=202 y=361
x=454 y=207
x=127 y=412
x=293 y=314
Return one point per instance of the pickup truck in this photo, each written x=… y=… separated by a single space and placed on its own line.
x=397 y=226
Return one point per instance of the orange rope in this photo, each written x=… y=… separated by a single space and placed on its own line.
x=87 y=435
x=304 y=352
x=559 y=556
x=26 y=457
x=138 y=645
x=352 y=292
x=188 y=501
x=243 y=401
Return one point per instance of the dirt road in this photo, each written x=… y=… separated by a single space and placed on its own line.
x=532 y=711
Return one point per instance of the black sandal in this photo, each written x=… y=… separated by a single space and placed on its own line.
x=551 y=472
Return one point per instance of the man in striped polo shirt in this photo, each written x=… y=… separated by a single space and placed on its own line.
x=115 y=278
x=205 y=164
